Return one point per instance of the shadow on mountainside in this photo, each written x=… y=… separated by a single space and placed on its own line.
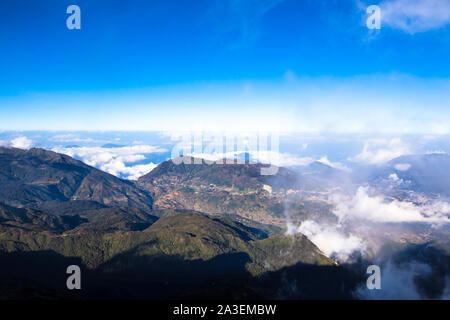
x=42 y=275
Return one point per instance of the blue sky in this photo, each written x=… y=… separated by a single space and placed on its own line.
x=290 y=65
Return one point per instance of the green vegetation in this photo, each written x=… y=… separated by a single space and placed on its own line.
x=187 y=236
x=57 y=211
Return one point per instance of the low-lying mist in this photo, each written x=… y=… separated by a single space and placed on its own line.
x=404 y=231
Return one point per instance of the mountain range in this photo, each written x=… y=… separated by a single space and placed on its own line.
x=36 y=175
x=180 y=231
x=55 y=208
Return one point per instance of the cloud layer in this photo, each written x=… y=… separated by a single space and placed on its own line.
x=331 y=240
x=115 y=160
x=362 y=207
x=379 y=151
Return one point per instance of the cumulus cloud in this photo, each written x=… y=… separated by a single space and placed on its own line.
x=20 y=143
x=331 y=240
x=115 y=160
x=362 y=206
x=414 y=16
x=379 y=151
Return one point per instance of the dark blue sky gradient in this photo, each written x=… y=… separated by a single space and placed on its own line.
x=141 y=44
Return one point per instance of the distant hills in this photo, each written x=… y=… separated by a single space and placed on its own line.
x=36 y=175
x=429 y=173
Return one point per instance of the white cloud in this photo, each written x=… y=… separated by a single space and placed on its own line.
x=331 y=240
x=394 y=177
x=280 y=159
x=402 y=167
x=115 y=160
x=117 y=167
x=362 y=206
x=379 y=151
x=20 y=142
x=336 y=165
x=414 y=16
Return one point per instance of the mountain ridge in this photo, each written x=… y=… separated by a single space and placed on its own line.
x=37 y=175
